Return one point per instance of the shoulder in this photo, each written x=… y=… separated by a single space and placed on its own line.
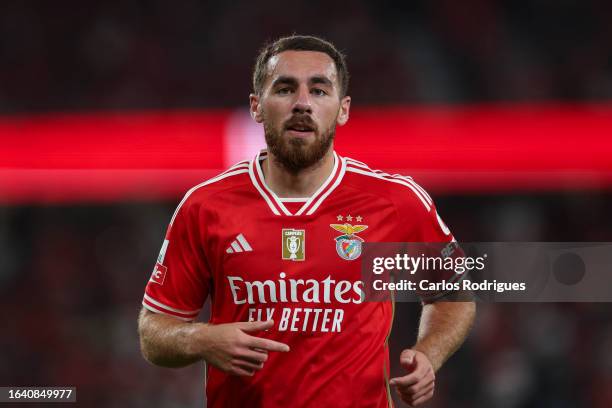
x=416 y=209
x=400 y=189
x=233 y=178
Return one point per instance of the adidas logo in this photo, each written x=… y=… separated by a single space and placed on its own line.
x=240 y=244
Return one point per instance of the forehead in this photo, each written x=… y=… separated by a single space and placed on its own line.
x=301 y=65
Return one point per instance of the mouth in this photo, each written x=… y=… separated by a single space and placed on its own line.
x=300 y=129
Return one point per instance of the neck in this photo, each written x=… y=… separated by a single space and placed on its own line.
x=301 y=184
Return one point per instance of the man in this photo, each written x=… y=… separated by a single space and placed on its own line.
x=276 y=243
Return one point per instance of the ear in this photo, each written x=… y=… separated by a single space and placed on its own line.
x=255 y=108
x=343 y=115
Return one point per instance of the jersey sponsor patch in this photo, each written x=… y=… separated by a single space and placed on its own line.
x=159 y=273
x=294 y=244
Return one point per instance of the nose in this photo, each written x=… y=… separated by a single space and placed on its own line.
x=302 y=102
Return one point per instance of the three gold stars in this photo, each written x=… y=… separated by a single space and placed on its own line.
x=349 y=218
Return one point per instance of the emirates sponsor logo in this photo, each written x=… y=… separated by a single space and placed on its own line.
x=295 y=290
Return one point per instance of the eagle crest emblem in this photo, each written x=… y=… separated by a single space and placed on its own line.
x=348 y=245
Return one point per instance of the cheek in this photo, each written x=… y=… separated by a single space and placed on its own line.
x=273 y=111
x=330 y=115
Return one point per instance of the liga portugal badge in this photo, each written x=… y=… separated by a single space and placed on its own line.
x=294 y=244
x=348 y=245
x=159 y=272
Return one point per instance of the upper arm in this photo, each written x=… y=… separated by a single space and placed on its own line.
x=144 y=317
x=180 y=282
x=151 y=324
x=146 y=321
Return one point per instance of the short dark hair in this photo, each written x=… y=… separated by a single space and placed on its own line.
x=299 y=43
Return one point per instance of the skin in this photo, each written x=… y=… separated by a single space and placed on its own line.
x=302 y=85
x=232 y=347
x=442 y=329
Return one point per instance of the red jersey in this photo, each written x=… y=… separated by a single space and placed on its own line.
x=296 y=261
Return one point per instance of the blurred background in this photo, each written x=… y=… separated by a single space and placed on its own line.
x=110 y=111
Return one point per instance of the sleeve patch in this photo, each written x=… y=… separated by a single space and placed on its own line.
x=159 y=273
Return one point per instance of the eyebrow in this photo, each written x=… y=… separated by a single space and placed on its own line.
x=287 y=80
x=320 y=79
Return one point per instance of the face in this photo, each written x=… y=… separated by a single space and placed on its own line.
x=300 y=106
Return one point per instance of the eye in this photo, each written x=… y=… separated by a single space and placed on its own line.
x=283 y=91
x=318 y=92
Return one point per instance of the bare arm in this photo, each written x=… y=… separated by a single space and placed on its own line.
x=166 y=341
x=169 y=342
x=443 y=328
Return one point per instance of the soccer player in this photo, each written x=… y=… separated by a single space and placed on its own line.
x=276 y=241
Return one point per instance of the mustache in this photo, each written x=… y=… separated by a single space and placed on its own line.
x=301 y=120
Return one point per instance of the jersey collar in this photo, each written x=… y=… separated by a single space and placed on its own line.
x=311 y=205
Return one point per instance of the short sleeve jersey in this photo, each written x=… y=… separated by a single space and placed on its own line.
x=296 y=261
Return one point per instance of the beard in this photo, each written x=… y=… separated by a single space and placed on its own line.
x=296 y=154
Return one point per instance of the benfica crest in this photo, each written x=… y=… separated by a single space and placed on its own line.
x=348 y=245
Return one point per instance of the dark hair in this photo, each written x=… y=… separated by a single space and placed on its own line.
x=299 y=43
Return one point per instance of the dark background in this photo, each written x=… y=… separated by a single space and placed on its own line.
x=72 y=276
x=73 y=55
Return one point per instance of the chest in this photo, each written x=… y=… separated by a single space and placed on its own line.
x=261 y=246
